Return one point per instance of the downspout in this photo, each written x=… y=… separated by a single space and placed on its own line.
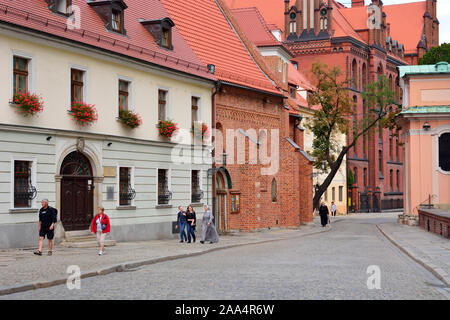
x=213 y=165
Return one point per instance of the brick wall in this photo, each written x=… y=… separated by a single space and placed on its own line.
x=243 y=109
x=435 y=223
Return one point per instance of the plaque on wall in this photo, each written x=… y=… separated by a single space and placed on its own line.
x=109 y=171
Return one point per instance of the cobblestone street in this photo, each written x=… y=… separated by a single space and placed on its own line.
x=330 y=265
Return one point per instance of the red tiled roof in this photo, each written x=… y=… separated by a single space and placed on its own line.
x=298 y=78
x=254 y=26
x=406 y=31
x=272 y=10
x=206 y=29
x=138 y=42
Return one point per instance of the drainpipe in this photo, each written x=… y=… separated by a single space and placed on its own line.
x=213 y=166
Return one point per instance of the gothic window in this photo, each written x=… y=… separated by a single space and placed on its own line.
x=354 y=74
x=364 y=76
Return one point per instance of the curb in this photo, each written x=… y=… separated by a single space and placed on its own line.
x=121 y=267
x=428 y=266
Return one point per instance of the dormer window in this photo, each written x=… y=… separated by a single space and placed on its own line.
x=112 y=13
x=116 y=20
x=161 y=30
x=60 y=6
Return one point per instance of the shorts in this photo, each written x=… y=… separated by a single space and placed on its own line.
x=47 y=232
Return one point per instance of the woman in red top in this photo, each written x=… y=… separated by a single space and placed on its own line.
x=100 y=226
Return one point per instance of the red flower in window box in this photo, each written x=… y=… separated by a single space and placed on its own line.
x=83 y=114
x=130 y=119
x=167 y=128
x=201 y=131
x=29 y=104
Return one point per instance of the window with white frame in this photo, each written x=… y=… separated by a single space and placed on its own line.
x=164 y=193
x=126 y=186
x=21 y=74
x=23 y=183
x=196 y=191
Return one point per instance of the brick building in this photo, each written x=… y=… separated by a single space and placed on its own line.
x=329 y=32
x=248 y=108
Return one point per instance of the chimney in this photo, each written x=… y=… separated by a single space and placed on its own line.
x=357 y=3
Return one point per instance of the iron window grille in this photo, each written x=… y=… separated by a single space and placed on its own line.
x=164 y=195
x=24 y=191
x=126 y=192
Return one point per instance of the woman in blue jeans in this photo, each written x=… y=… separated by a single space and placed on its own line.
x=191 y=221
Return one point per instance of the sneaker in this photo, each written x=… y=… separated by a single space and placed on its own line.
x=181 y=241
x=37 y=252
x=201 y=241
x=100 y=253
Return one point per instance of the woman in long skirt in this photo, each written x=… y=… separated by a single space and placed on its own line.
x=209 y=232
x=324 y=214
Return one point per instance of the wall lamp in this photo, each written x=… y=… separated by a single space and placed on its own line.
x=109 y=144
x=426 y=126
x=49 y=138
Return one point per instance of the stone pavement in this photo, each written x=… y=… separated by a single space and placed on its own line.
x=21 y=270
x=428 y=249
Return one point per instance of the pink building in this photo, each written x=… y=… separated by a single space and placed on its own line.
x=426 y=134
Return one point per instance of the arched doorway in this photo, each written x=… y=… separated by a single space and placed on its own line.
x=77 y=192
x=223 y=184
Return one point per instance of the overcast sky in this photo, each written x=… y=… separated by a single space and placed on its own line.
x=443 y=11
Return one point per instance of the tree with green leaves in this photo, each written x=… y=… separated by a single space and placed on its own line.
x=336 y=114
x=437 y=54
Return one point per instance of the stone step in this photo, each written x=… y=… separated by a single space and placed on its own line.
x=82 y=238
x=74 y=234
x=87 y=244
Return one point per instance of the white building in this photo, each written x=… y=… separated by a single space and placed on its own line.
x=116 y=62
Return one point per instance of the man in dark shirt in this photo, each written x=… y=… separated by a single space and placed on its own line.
x=181 y=223
x=47 y=220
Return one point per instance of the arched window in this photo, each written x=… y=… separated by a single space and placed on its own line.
x=274 y=190
x=293 y=27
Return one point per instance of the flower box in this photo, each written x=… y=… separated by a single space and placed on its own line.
x=28 y=103
x=130 y=119
x=83 y=114
x=167 y=128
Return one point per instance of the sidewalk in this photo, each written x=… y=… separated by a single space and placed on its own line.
x=21 y=270
x=428 y=249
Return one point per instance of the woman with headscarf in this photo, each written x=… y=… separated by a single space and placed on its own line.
x=324 y=214
x=209 y=232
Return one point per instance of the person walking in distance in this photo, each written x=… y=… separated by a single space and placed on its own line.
x=181 y=224
x=191 y=221
x=323 y=212
x=333 y=209
x=209 y=232
x=100 y=226
x=46 y=226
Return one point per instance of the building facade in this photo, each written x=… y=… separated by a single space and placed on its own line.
x=295 y=88
x=426 y=129
x=365 y=42
x=262 y=175
x=119 y=64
